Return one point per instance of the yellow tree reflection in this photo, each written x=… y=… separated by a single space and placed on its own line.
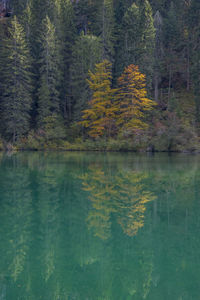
x=131 y=201
x=101 y=190
x=123 y=194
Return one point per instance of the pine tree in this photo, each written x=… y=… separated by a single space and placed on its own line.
x=65 y=21
x=172 y=43
x=18 y=6
x=146 y=60
x=31 y=19
x=97 y=18
x=48 y=93
x=87 y=51
x=26 y=19
x=86 y=12
x=120 y=7
x=129 y=35
x=108 y=28
x=16 y=98
x=158 y=54
x=136 y=40
x=194 y=31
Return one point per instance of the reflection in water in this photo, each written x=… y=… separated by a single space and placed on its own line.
x=122 y=193
x=99 y=226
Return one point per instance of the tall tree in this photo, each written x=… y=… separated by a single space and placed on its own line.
x=136 y=40
x=100 y=115
x=107 y=30
x=16 y=98
x=146 y=60
x=86 y=12
x=65 y=21
x=31 y=18
x=159 y=53
x=120 y=7
x=87 y=51
x=194 y=31
x=133 y=101
x=172 y=43
x=48 y=93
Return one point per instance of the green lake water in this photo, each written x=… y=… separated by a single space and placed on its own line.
x=94 y=226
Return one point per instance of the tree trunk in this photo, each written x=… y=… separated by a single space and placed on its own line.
x=188 y=69
x=156 y=93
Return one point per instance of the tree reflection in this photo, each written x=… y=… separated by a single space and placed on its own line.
x=102 y=194
x=15 y=219
x=143 y=220
x=123 y=194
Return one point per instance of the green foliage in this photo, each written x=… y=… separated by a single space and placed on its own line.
x=136 y=40
x=108 y=29
x=174 y=129
x=194 y=29
x=54 y=128
x=48 y=92
x=86 y=53
x=17 y=88
x=60 y=41
x=66 y=31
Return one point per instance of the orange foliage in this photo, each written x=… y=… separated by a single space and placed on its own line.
x=123 y=107
x=99 y=116
x=132 y=99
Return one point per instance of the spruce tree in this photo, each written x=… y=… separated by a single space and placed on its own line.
x=108 y=28
x=129 y=34
x=16 y=97
x=158 y=53
x=172 y=43
x=86 y=12
x=87 y=51
x=194 y=30
x=120 y=7
x=31 y=18
x=66 y=31
x=136 y=40
x=48 y=92
x=146 y=60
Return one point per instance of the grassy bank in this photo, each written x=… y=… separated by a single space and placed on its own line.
x=138 y=144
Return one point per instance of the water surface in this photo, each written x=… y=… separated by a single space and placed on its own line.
x=91 y=226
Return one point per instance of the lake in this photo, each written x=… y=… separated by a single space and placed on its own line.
x=95 y=226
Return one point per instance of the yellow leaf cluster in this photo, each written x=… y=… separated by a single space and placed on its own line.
x=111 y=110
x=123 y=195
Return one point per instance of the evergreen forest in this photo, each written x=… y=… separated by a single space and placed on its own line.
x=111 y=75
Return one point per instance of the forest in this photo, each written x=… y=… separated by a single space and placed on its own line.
x=108 y=75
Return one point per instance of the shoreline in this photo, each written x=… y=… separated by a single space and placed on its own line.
x=98 y=151
x=110 y=145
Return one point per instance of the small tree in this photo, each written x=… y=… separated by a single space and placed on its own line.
x=132 y=100
x=100 y=115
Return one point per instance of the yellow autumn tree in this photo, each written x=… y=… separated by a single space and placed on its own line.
x=100 y=115
x=132 y=100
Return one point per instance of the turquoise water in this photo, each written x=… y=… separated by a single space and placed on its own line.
x=97 y=226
